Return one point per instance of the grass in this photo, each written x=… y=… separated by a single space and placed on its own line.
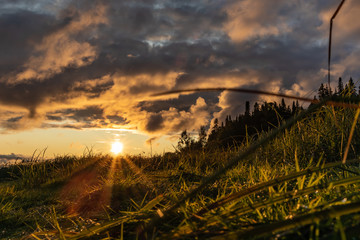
x=291 y=183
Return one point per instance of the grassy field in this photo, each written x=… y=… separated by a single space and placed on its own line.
x=298 y=182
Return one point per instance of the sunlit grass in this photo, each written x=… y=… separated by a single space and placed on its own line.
x=293 y=186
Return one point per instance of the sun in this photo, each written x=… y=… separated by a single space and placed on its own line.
x=117 y=147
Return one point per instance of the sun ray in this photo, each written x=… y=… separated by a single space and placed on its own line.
x=138 y=172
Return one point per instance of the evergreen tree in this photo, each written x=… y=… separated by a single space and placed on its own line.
x=283 y=104
x=227 y=120
x=340 y=87
x=293 y=109
x=263 y=118
x=202 y=136
x=247 y=108
x=350 y=89
x=185 y=141
x=323 y=91
x=216 y=124
x=256 y=108
x=214 y=131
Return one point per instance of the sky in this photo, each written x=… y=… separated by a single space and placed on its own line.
x=77 y=74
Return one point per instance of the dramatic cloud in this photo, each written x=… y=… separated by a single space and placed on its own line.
x=61 y=49
x=173 y=120
x=95 y=64
x=249 y=19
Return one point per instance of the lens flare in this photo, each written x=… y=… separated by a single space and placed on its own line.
x=117 y=147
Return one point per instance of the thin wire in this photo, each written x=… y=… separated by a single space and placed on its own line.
x=242 y=90
x=348 y=102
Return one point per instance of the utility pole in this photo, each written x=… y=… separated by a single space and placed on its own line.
x=330 y=38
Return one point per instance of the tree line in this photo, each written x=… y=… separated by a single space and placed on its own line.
x=263 y=117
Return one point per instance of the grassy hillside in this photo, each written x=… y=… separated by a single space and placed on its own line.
x=288 y=184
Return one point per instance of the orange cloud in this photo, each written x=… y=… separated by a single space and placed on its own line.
x=61 y=49
x=251 y=18
x=172 y=120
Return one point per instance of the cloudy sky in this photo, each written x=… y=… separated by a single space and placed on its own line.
x=81 y=73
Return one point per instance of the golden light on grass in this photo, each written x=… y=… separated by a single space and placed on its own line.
x=117 y=147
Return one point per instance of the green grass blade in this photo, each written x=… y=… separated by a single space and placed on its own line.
x=312 y=218
x=261 y=186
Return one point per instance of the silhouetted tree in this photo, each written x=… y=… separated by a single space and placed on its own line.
x=283 y=105
x=340 y=88
x=293 y=109
x=263 y=117
x=350 y=89
x=256 y=108
x=323 y=91
x=247 y=108
x=185 y=141
x=202 y=136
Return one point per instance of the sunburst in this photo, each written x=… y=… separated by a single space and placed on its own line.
x=117 y=147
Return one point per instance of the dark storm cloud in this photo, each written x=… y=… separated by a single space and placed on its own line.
x=184 y=19
x=183 y=103
x=14 y=119
x=100 y=60
x=116 y=119
x=201 y=19
x=54 y=118
x=88 y=114
x=114 y=55
x=13 y=123
x=154 y=123
x=88 y=117
x=19 y=32
x=67 y=85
